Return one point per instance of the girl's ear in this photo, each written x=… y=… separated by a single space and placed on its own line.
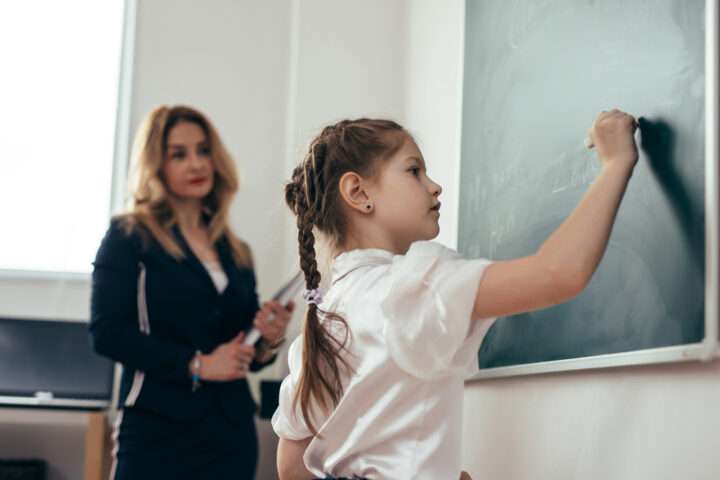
x=353 y=192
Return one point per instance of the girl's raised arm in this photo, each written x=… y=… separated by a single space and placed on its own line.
x=566 y=261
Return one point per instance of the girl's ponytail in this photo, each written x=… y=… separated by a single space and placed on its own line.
x=319 y=382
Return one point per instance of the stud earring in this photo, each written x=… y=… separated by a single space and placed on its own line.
x=368 y=206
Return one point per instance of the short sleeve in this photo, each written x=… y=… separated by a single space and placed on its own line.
x=428 y=307
x=287 y=422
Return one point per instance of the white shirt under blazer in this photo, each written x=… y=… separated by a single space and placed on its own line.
x=412 y=345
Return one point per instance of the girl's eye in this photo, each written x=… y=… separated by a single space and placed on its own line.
x=414 y=171
x=178 y=155
x=204 y=151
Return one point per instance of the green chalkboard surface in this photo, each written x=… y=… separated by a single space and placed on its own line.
x=536 y=73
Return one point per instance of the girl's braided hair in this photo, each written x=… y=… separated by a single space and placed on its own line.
x=313 y=196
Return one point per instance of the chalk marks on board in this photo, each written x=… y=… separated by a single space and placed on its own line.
x=482 y=189
x=492 y=195
x=572 y=169
x=575 y=171
x=486 y=190
x=478 y=194
x=500 y=225
x=525 y=13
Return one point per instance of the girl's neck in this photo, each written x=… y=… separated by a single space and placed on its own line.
x=370 y=239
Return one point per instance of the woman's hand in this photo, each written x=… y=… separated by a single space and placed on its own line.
x=273 y=332
x=612 y=133
x=228 y=361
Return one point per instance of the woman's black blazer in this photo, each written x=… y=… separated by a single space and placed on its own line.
x=151 y=313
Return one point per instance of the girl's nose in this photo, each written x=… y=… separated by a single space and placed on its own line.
x=435 y=188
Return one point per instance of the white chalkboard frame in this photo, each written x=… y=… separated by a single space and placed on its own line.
x=709 y=348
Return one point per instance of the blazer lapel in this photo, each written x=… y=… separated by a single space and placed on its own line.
x=191 y=260
x=228 y=264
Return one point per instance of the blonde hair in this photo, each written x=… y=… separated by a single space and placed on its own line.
x=149 y=209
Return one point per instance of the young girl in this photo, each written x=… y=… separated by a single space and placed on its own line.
x=376 y=380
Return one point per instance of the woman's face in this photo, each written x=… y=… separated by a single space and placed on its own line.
x=187 y=167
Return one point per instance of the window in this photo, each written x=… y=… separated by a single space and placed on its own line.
x=59 y=96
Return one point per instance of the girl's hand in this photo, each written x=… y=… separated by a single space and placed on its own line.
x=228 y=361
x=273 y=332
x=465 y=476
x=612 y=133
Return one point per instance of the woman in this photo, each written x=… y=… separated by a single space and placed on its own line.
x=173 y=291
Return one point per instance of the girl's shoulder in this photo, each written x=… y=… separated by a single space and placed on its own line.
x=422 y=252
x=427 y=310
x=423 y=262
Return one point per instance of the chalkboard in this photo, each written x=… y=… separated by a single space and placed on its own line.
x=536 y=73
x=51 y=364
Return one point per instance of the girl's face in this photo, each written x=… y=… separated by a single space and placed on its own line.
x=187 y=167
x=405 y=199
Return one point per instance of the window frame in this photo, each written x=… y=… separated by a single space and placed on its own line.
x=121 y=149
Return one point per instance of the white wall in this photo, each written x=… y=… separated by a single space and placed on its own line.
x=433 y=95
x=645 y=422
x=349 y=61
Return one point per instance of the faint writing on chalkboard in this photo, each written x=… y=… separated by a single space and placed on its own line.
x=483 y=189
x=500 y=226
x=526 y=12
x=575 y=171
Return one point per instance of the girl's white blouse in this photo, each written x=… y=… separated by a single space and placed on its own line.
x=412 y=344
